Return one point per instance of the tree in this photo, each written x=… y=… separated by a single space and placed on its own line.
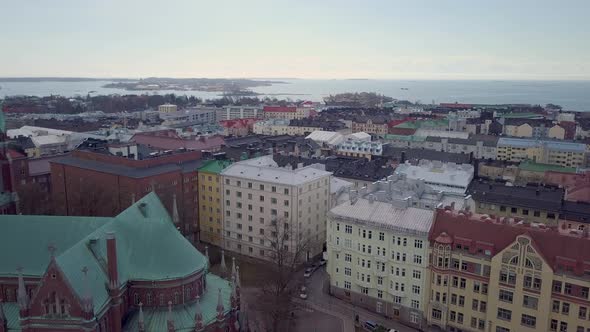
x=33 y=199
x=287 y=252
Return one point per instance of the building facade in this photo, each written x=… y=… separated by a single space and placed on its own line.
x=546 y=152
x=89 y=282
x=94 y=183
x=498 y=275
x=210 y=211
x=286 y=112
x=377 y=257
x=239 y=112
x=257 y=193
x=359 y=148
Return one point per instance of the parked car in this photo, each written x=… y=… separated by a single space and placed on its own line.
x=370 y=325
x=322 y=262
x=308 y=272
x=303 y=292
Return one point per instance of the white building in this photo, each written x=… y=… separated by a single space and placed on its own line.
x=446 y=177
x=277 y=126
x=329 y=138
x=239 y=112
x=359 y=148
x=378 y=257
x=256 y=192
x=190 y=115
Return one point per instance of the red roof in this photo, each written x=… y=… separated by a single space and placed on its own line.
x=288 y=109
x=456 y=105
x=15 y=154
x=238 y=123
x=394 y=123
x=552 y=245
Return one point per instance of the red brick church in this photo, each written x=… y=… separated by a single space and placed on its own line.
x=132 y=272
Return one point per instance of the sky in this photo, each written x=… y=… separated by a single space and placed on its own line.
x=389 y=39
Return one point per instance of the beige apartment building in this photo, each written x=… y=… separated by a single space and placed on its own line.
x=502 y=276
x=257 y=192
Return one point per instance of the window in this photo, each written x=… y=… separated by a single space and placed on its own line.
x=364 y=290
x=476 y=286
x=555 y=306
x=415 y=304
x=504 y=314
x=567 y=289
x=347 y=271
x=418 y=244
x=461 y=300
x=261 y=198
x=505 y=296
x=348 y=229
x=380 y=294
x=436 y=314
x=347 y=258
x=565 y=308
x=462 y=284
x=381 y=236
x=582 y=312
x=483 y=306
x=286 y=191
x=475 y=305
x=261 y=187
x=528 y=321
x=557 y=286
x=502 y=329
x=347 y=284
x=417 y=259
x=416 y=274
x=415 y=289
x=530 y=302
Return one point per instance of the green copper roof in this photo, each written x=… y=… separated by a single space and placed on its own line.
x=214 y=166
x=410 y=138
x=423 y=124
x=536 y=167
x=518 y=115
x=81 y=242
x=12 y=316
x=155 y=319
x=28 y=239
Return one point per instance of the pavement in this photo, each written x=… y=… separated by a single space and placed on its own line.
x=319 y=299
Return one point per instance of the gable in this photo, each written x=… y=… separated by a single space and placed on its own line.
x=54 y=296
x=523 y=253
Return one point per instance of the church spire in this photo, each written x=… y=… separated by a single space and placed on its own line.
x=140 y=321
x=88 y=303
x=175 y=216
x=207 y=255
x=233 y=268
x=238 y=284
x=222 y=265
x=169 y=319
x=198 y=315
x=22 y=297
x=2 y=315
x=220 y=308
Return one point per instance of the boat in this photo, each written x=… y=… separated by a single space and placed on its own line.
x=404 y=88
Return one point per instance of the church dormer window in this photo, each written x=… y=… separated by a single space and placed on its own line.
x=136 y=299
x=149 y=298
x=176 y=298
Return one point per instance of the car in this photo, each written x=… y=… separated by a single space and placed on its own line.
x=303 y=296
x=308 y=272
x=322 y=262
x=314 y=266
x=370 y=325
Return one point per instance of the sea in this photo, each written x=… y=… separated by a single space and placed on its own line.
x=571 y=95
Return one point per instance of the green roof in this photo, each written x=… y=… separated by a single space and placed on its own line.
x=422 y=124
x=519 y=115
x=536 y=167
x=81 y=242
x=214 y=166
x=155 y=319
x=410 y=138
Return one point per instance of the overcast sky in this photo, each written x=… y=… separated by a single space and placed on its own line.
x=470 y=39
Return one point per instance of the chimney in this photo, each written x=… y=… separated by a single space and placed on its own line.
x=452 y=205
x=371 y=198
x=112 y=268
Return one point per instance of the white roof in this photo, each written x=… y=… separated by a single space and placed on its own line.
x=450 y=177
x=48 y=140
x=337 y=184
x=266 y=169
x=30 y=131
x=360 y=136
x=386 y=214
x=328 y=137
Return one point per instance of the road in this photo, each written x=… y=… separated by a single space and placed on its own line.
x=320 y=300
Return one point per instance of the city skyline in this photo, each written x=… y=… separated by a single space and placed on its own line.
x=330 y=40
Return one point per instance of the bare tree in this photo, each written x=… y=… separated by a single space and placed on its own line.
x=288 y=252
x=33 y=198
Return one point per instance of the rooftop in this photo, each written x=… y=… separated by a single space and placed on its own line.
x=214 y=166
x=384 y=215
x=447 y=177
x=266 y=169
x=279 y=109
x=534 y=197
x=553 y=145
x=536 y=167
x=500 y=233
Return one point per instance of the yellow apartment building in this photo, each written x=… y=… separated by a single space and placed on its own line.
x=210 y=196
